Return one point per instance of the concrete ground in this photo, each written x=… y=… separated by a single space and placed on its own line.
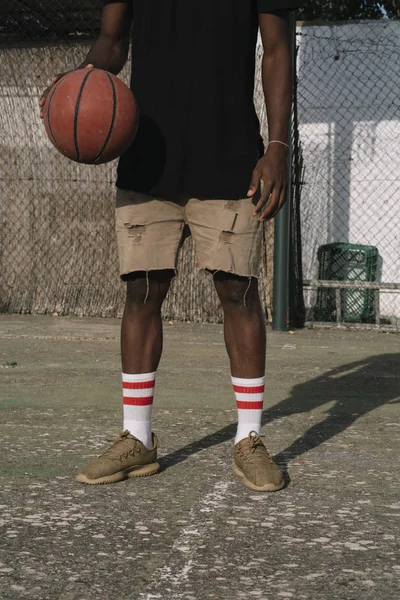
x=193 y=532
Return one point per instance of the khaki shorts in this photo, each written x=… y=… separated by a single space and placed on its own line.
x=150 y=232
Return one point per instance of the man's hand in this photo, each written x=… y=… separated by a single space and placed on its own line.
x=42 y=101
x=46 y=93
x=271 y=173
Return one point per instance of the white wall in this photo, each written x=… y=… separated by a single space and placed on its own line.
x=349 y=114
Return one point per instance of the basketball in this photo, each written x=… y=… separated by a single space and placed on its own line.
x=91 y=116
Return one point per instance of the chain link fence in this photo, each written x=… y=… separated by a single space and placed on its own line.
x=57 y=244
x=37 y=21
x=349 y=125
x=57 y=249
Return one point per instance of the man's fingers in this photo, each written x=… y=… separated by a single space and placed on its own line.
x=42 y=100
x=272 y=206
x=264 y=197
x=254 y=183
x=44 y=96
x=46 y=92
x=55 y=79
x=277 y=201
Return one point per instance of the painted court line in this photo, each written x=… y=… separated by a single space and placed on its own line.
x=177 y=568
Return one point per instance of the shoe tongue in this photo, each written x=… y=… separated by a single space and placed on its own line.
x=126 y=434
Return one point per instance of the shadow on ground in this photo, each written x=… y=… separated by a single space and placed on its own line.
x=355 y=389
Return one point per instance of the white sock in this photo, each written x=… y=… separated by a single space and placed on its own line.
x=249 y=401
x=138 y=392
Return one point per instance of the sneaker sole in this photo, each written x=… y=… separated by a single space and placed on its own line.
x=268 y=487
x=140 y=471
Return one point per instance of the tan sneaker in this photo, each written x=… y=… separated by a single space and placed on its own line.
x=255 y=467
x=127 y=457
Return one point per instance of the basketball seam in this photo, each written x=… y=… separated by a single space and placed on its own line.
x=53 y=139
x=76 y=114
x=110 y=131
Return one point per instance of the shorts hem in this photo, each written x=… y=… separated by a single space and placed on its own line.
x=125 y=273
x=213 y=270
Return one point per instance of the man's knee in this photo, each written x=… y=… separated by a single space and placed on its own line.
x=235 y=291
x=147 y=288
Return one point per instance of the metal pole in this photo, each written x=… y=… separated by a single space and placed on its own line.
x=280 y=304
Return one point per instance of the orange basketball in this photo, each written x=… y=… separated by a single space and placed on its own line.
x=91 y=116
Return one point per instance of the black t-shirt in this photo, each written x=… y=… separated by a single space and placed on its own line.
x=193 y=64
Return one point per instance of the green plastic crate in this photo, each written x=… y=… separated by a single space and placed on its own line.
x=347 y=262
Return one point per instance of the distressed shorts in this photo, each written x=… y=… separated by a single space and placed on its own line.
x=150 y=232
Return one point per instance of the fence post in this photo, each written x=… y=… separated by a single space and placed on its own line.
x=280 y=303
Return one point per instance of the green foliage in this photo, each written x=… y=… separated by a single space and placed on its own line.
x=337 y=10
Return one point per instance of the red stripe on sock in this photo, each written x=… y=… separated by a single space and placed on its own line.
x=138 y=401
x=259 y=389
x=249 y=405
x=138 y=385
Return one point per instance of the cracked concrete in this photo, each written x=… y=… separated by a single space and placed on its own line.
x=193 y=532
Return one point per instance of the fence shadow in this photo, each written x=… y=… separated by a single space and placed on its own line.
x=355 y=389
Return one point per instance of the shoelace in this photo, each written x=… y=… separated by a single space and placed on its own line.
x=247 y=452
x=123 y=447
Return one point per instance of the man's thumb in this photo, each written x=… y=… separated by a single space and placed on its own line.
x=254 y=183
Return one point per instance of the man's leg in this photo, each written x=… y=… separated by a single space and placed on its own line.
x=134 y=454
x=244 y=327
x=141 y=330
x=149 y=231
x=141 y=347
x=244 y=324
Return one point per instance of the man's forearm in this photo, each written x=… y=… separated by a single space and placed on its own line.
x=277 y=85
x=271 y=169
x=110 y=55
